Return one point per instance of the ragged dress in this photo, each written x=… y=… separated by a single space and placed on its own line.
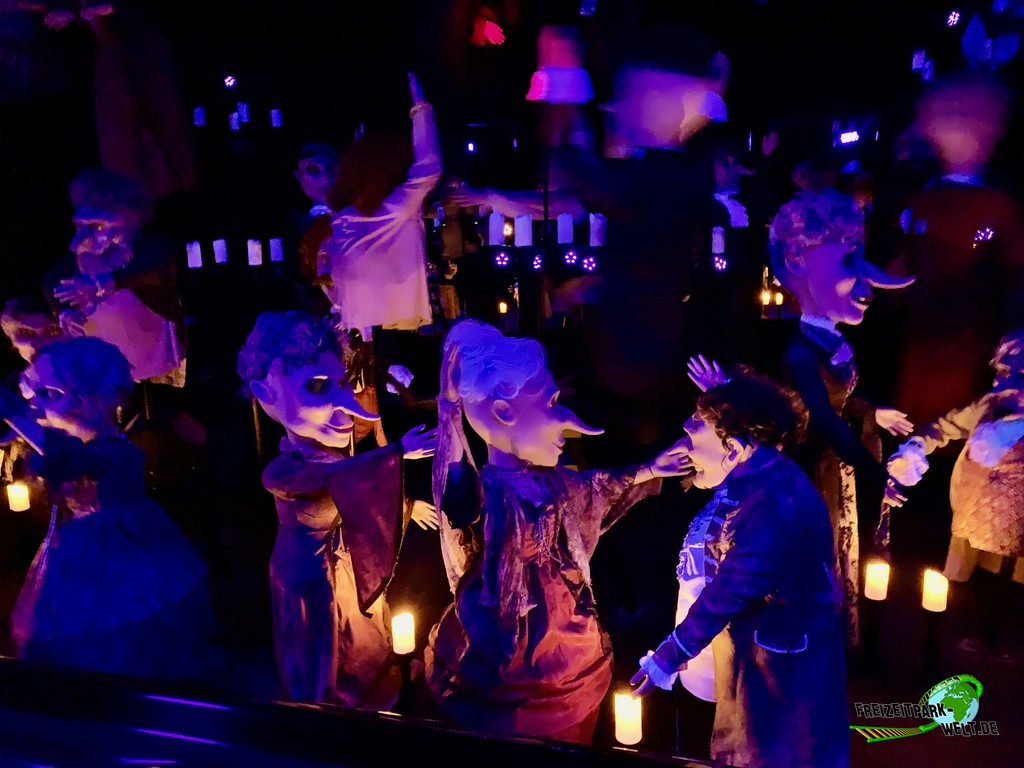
x=521 y=651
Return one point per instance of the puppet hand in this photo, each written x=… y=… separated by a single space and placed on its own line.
x=908 y=464
x=704 y=374
x=673 y=462
x=80 y=291
x=894 y=422
x=654 y=673
x=424 y=515
x=417 y=444
x=893 y=496
x=416 y=90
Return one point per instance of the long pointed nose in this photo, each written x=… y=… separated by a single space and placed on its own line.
x=345 y=399
x=573 y=422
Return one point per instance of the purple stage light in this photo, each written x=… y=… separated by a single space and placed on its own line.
x=230 y=82
x=953 y=19
x=538 y=262
x=501 y=258
x=849 y=137
x=471 y=147
x=589 y=263
x=571 y=257
x=720 y=263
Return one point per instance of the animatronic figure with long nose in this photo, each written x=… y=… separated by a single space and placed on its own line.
x=521 y=651
x=817 y=254
x=342 y=517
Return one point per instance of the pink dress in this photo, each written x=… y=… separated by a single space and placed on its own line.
x=341 y=520
x=521 y=651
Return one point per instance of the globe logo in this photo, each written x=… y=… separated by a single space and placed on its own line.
x=958 y=698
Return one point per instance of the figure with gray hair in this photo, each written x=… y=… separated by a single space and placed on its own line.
x=342 y=517
x=520 y=651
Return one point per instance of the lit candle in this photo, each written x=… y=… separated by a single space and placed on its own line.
x=495 y=229
x=524 y=231
x=628 y=719
x=718 y=240
x=199 y=116
x=243 y=111
x=502 y=307
x=275 y=118
x=234 y=122
x=17 y=497
x=255 y=253
x=778 y=299
x=766 y=297
x=876 y=581
x=403 y=633
x=933 y=596
x=598 y=229
x=565 y=228
x=220 y=252
x=195 y=255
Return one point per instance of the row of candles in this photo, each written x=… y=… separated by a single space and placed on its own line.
x=628 y=710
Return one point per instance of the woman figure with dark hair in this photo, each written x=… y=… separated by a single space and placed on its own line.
x=770 y=609
x=376 y=253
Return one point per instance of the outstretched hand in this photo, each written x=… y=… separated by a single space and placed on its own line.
x=893 y=421
x=424 y=514
x=419 y=444
x=450 y=375
x=79 y=292
x=705 y=374
x=673 y=461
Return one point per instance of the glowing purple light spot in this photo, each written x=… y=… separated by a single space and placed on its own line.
x=471 y=147
x=230 y=82
x=538 y=262
x=849 y=137
x=589 y=263
x=953 y=19
x=984 y=234
x=571 y=257
x=501 y=258
x=720 y=263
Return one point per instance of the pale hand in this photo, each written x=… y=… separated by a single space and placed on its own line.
x=79 y=291
x=893 y=421
x=893 y=496
x=450 y=375
x=416 y=90
x=424 y=515
x=674 y=461
x=419 y=444
x=706 y=374
x=907 y=465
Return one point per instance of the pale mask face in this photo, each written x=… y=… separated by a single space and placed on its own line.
x=712 y=460
x=529 y=427
x=58 y=407
x=103 y=239
x=316 y=177
x=314 y=403
x=834 y=286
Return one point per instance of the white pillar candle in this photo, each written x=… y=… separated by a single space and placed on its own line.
x=876 y=581
x=17 y=497
x=276 y=249
x=628 y=719
x=199 y=116
x=502 y=307
x=243 y=111
x=403 y=633
x=234 y=121
x=275 y=118
x=524 y=231
x=194 y=253
x=598 y=229
x=565 y=228
x=220 y=252
x=936 y=587
x=718 y=240
x=255 y=253
x=495 y=229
